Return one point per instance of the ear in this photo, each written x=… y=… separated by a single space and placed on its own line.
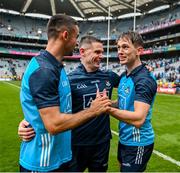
x=65 y=35
x=81 y=51
x=140 y=50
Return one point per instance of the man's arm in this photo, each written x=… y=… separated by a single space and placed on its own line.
x=56 y=122
x=135 y=118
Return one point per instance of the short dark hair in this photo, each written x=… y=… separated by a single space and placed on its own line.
x=88 y=40
x=59 y=22
x=134 y=37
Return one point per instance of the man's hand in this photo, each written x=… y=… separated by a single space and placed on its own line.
x=101 y=104
x=25 y=133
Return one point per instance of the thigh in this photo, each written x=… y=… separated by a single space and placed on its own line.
x=134 y=158
x=80 y=158
x=99 y=158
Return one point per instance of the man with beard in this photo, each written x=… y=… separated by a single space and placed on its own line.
x=91 y=140
x=46 y=102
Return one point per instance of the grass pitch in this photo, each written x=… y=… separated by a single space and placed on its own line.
x=166 y=123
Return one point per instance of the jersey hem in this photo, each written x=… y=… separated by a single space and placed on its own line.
x=136 y=144
x=91 y=144
x=34 y=168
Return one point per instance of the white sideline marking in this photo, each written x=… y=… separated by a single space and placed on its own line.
x=165 y=157
x=12 y=85
x=115 y=133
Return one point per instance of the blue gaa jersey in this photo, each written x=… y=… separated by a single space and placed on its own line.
x=83 y=88
x=140 y=86
x=45 y=84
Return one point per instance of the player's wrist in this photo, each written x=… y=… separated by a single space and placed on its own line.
x=91 y=112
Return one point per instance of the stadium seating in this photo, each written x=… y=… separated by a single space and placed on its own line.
x=25 y=36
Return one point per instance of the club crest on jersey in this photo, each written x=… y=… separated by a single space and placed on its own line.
x=127 y=90
x=81 y=86
x=108 y=84
x=64 y=83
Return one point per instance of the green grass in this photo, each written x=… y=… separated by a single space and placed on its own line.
x=166 y=123
x=9 y=119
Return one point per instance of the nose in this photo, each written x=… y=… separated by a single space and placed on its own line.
x=120 y=50
x=77 y=43
x=120 y=53
x=101 y=55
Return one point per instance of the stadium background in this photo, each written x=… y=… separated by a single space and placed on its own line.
x=22 y=37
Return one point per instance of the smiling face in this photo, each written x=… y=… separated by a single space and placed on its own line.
x=129 y=46
x=91 y=55
x=128 y=53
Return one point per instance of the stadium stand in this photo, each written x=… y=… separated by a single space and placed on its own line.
x=22 y=37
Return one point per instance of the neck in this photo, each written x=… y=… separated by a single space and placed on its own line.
x=88 y=67
x=132 y=66
x=56 y=49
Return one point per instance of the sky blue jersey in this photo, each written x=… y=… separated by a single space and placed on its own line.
x=45 y=84
x=140 y=86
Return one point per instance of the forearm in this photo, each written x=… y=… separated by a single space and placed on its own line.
x=61 y=122
x=71 y=121
x=133 y=118
x=56 y=122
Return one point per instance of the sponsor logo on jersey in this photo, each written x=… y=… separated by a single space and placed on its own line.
x=88 y=98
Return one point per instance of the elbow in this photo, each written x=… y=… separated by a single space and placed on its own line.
x=53 y=130
x=139 y=123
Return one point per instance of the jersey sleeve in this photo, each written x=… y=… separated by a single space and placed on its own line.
x=115 y=79
x=145 y=90
x=43 y=85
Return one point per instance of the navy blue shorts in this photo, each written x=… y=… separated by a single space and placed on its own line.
x=63 y=168
x=94 y=158
x=134 y=158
